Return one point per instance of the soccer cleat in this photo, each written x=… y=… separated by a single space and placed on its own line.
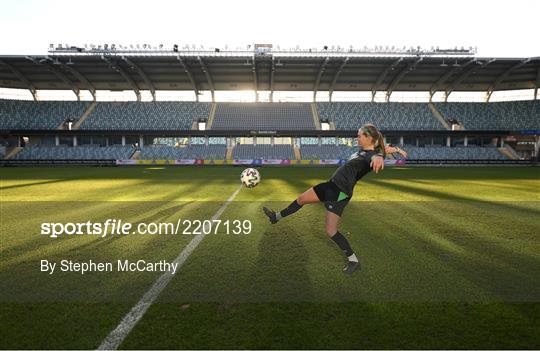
x=351 y=267
x=270 y=214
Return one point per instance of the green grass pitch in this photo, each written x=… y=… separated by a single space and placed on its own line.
x=450 y=259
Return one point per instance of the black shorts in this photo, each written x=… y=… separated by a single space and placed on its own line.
x=333 y=198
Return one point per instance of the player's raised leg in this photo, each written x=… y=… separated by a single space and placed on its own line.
x=332 y=222
x=307 y=197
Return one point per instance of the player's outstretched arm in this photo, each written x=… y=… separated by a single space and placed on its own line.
x=390 y=149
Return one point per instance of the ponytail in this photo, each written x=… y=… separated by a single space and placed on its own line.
x=379 y=144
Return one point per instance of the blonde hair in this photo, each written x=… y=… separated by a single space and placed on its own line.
x=376 y=135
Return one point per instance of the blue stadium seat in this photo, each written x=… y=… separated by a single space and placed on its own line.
x=84 y=152
x=453 y=153
x=16 y=114
x=162 y=152
x=146 y=115
x=263 y=116
x=386 y=116
x=265 y=152
x=323 y=152
x=511 y=115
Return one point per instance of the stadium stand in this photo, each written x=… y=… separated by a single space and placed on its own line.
x=263 y=116
x=453 y=153
x=162 y=152
x=146 y=115
x=112 y=116
x=16 y=114
x=85 y=152
x=386 y=116
x=217 y=152
x=347 y=151
x=323 y=152
x=314 y=152
x=511 y=115
x=265 y=152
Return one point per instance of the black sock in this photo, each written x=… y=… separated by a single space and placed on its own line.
x=289 y=210
x=343 y=244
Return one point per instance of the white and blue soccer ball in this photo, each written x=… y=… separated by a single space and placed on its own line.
x=250 y=177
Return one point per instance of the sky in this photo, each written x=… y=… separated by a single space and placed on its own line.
x=496 y=28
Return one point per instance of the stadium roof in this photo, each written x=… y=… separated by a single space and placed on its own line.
x=268 y=71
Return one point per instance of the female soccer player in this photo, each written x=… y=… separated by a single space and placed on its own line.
x=337 y=192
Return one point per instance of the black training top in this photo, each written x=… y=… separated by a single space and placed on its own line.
x=358 y=165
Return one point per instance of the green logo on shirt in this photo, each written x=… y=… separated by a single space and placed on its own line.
x=342 y=196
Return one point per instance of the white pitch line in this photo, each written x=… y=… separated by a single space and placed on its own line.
x=115 y=338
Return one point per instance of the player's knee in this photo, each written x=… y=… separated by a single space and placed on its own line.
x=330 y=230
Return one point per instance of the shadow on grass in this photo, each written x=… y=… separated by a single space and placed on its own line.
x=499 y=272
x=52 y=181
x=446 y=196
x=280 y=272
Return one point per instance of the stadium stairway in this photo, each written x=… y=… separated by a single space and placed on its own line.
x=12 y=151
x=229 y=153
x=136 y=155
x=297 y=154
x=211 y=116
x=509 y=152
x=315 y=115
x=85 y=114
x=446 y=117
x=439 y=116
